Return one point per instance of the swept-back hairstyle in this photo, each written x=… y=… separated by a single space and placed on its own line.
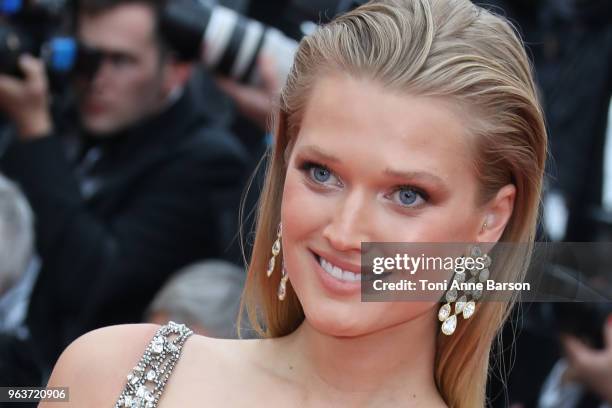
x=450 y=49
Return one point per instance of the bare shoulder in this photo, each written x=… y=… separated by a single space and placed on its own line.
x=207 y=360
x=213 y=369
x=94 y=366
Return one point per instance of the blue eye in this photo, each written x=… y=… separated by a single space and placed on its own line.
x=408 y=197
x=320 y=174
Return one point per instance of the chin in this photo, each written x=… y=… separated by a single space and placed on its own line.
x=335 y=328
x=99 y=126
x=339 y=320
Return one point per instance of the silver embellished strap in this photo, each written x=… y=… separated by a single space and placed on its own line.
x=147 y=380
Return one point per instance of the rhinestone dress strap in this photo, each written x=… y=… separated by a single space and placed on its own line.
x=147 y=380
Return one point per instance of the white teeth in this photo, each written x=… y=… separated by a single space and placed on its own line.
x=338 y=273
x=349 y=276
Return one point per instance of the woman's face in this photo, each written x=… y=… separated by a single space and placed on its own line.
x=369 y=165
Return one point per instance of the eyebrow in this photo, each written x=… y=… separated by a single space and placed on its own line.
x=397 y=174
x=112 y=51
x=415 y=176
x=320 y=154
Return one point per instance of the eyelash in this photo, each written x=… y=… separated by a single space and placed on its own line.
x=307 y=166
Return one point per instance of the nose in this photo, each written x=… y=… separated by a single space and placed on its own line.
x=350 y=223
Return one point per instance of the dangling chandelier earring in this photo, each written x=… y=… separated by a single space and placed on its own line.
x=282 y=286
x=276 y=248
x=466 y=303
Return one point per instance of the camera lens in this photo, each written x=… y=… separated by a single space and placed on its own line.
x=226 y=42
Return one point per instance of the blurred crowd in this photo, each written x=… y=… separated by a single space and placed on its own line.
x=122 y=178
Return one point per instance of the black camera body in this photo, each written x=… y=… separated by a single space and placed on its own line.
x=31 y=27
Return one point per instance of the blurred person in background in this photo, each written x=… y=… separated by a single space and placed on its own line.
x=18 y=263
x=144 y=185
x=16 y=236
x=591 y=367
x=583 y=378
x=205 y=296
x=16 y=251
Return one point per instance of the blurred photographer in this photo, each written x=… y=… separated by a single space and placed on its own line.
x=142 y=187
x=581 y=378
x=591 y=367
x=17 y=237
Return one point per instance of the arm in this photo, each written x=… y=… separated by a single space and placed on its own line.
x=255 y=102
x=592 y=368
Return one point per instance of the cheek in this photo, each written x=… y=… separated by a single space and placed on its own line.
x=303 y=211
x=134 y=80
x=138 y=84
x=303 y=215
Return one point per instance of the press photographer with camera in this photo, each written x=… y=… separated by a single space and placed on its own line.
x=147 y=185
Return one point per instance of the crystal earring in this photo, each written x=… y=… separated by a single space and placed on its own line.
x=276 y=248
x=466 y=303
x=282 y=286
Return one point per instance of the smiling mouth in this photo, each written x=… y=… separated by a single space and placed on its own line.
x=347 y=276
x=337 y=272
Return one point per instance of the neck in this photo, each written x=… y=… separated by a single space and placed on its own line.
x=396 y=363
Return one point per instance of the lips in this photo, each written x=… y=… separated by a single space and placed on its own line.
x=345 y=272
x=94 y=108
x=334 y=269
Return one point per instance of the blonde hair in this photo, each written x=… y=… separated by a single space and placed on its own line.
x=443 y=48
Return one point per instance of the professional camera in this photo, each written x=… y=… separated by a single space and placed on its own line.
x=34 y=27
x=223 y=40
x=229 y=43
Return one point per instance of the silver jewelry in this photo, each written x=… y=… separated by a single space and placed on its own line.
x=282 y=286
x=147 y=380
x=465 y=304
x=276 y=248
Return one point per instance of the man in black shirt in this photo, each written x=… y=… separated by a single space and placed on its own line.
x=148 y=186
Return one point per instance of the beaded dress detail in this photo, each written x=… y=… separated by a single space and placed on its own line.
x=147 y=380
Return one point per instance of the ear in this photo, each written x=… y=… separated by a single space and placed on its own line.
x=176 y=75
x=497 y=213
